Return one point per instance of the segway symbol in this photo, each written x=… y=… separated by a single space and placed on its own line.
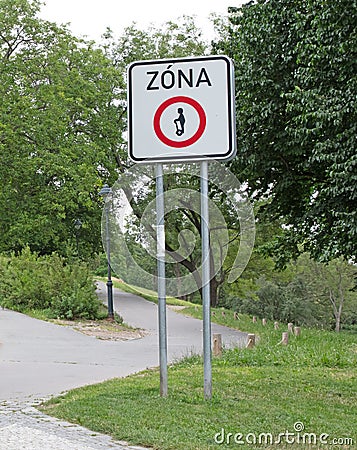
x=179 y=122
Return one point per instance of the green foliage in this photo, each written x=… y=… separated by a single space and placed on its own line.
x=172 y=40
x=60 y=119
x=25 y=281
x=288 y=302
x=62 y=123
x=296 y=119
x=331 y=287
x=32 y=282
x=306 y=292
x=77 y=298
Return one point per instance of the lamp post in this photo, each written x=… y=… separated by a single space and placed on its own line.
x=77 y=226
x=105 y=192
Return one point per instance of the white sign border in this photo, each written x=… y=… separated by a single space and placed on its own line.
x=230 y=154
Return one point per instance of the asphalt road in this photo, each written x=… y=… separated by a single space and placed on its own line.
x=40 y=359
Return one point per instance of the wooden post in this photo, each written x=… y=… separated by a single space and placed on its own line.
x=285 y=338
x=276 y=325
x=264 y=322
x=290 y=327
x=217 y=345
x=251 y=341
x=223 y=314
x=235 y=315
x=213 y=313
x=297 y=331
x=254 y=319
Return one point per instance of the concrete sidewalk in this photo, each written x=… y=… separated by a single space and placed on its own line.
x=38 y=359
x=25 y=428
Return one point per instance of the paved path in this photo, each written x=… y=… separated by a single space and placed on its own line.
x=184 y=333
x=40 y=359
x=25 y=428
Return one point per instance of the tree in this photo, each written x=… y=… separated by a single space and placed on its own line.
x=60 y=118
x=172 y=40
x=330 y=285
x=260 y=266
x=63 y=122
x=306 y=292
x=183 y=226
x=296 y=119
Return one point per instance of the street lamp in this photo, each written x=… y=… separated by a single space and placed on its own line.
x=105 y=192
x=77 y=226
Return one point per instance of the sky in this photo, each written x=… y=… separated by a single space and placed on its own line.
x=91 y=17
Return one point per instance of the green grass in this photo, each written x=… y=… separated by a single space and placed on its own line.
x=262 y=390
x=314 y=348
x=48 y=315
x=146 y=293
x=245 y=400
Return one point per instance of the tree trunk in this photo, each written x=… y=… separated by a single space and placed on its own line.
x=214 y=292
x=338 y=317
x=339 y=312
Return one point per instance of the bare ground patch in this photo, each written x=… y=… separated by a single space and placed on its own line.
x=103 y=329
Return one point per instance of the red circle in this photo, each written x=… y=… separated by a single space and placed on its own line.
x=192 y=139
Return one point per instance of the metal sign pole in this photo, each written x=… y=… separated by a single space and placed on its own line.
x=206 y=295
x=161 y=288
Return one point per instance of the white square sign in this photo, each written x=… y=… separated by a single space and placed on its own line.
x=181 y=110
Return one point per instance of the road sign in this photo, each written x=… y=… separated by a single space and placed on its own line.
x=181 y=110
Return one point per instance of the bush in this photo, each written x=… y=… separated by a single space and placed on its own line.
x=29 y=281
x=285 y=302
x=22 y=282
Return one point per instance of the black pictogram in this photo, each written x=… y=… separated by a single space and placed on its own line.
x=180 y=122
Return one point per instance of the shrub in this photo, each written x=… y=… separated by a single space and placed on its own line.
x=29 y=281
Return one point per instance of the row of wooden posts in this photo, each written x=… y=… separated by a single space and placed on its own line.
x=217 y=338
